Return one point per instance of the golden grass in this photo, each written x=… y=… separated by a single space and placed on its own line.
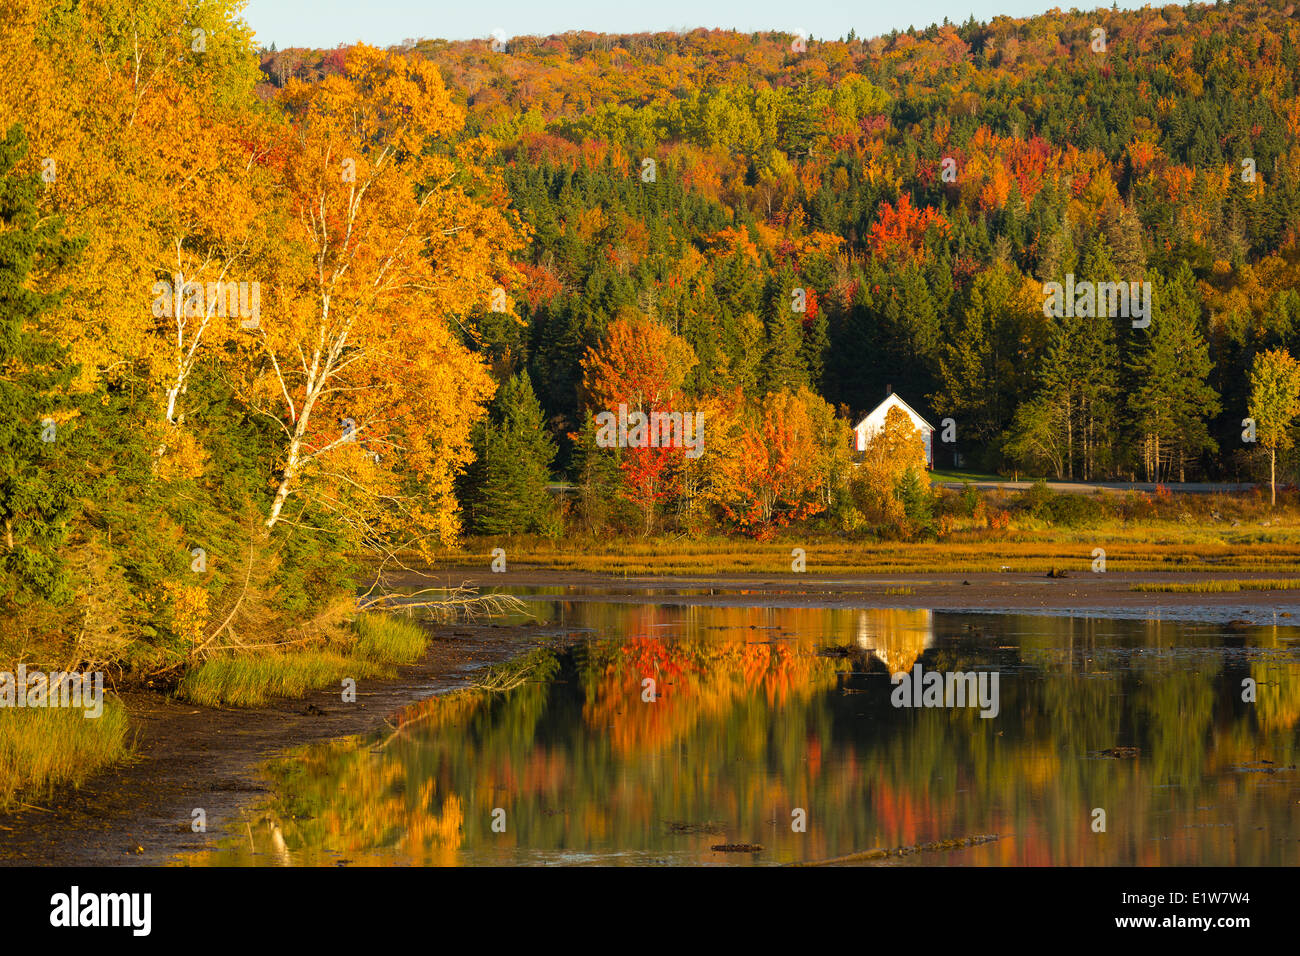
x=253 y=680
x=1174 y=546
x=389 y=639
x=45 y=747
x=1211 y=587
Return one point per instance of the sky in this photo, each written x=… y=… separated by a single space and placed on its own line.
x=327 y=23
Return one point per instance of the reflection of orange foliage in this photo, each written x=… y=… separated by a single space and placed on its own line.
x=1278 y=693
x=695 y=681
x=651 y=657
x=378 y=804
x=441 y=711
x=426 y=829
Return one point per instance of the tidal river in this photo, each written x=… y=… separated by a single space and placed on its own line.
x=664 y=733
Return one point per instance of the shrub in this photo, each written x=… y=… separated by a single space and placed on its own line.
x=914 y=493
x=1073 y=511
x=1038 y=499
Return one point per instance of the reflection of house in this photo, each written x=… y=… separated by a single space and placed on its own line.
x=874 y=424
x=896 y=636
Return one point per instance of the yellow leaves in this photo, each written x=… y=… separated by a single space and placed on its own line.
x=182 y=456
x=370 y=224
x=383 y=103
x=387 y=250
x=889 y=454
x=590 y=223
x=1190 y=82
x=773 y=462
x=188 y=607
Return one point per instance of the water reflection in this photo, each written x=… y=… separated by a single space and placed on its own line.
x=897 y=638
x=761 y=712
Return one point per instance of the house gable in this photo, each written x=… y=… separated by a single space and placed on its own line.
x=874 y=422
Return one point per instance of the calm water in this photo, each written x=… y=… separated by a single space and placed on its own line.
x=762 y=712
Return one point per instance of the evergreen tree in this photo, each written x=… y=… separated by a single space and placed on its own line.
x=1170 y=398
x=507 y=485
x=37 y=482
x=783 y=361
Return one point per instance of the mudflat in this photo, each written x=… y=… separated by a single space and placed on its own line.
x=1078 y=591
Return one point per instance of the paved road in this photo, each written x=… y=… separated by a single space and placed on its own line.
x=1082 y=487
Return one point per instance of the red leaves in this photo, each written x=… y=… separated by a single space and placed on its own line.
x=540 y=284
x=901 y=230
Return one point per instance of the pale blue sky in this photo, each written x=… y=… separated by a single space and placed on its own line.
x=327 y=23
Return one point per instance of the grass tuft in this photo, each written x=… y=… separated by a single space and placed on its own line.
x=390 y=640
x=254 y=680
x=380 y=643
x=45 y=747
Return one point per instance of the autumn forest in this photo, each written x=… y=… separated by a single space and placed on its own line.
x=263 y=311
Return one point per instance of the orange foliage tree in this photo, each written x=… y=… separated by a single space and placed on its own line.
x=771 y=466
x=641 y=364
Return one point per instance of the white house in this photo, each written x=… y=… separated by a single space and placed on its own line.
x=874 y=423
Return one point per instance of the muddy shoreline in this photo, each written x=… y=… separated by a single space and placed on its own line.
x=187 y=757
x=1079 y=592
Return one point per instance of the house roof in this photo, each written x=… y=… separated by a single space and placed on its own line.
x=893 y=396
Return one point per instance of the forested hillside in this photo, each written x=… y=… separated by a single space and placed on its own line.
x=265 y=311
x=1161 y=150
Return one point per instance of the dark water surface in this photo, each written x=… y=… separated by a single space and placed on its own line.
x=764 y=717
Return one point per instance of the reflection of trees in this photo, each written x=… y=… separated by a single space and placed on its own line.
x=696 y=681
x=1277 y=683
x=750 y=725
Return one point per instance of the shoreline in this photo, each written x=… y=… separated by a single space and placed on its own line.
x=188 y=756
x=1081 y=593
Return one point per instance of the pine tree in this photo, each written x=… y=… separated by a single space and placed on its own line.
x=508 y=482
x=783 y=361
x=1170 y=398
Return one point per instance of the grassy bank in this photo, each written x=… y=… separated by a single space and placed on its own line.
x=45 y=747
x=1126 y=549
x=970 y=532
x=375 y=645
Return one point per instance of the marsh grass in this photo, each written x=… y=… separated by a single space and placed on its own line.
x=1215 y=587
x=45 y=747
x=253 y=680
x=978 y=531
x=1129 y=548
x=375 y=645
x=390 y=639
